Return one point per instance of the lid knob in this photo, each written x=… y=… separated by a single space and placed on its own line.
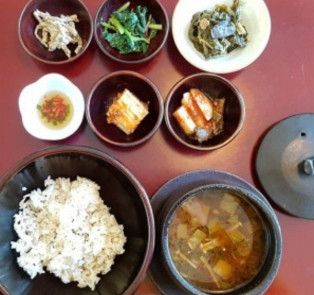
x=308 y=166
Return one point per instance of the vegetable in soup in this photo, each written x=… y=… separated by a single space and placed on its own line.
x=217 y=240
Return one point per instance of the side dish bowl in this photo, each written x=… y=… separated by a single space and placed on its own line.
x=27 y=24
x=120 y=191
x=154 y=8
x=255 y=18
x=270 y=251
x=215 y=87
x=102 y=96
x=32 y=96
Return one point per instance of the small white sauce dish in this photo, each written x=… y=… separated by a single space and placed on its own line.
x=255 y=18
x=32 y=94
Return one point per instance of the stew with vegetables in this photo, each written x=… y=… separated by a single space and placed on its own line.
x=217 y=240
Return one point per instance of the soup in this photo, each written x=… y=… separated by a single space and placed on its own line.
x=217 y=240
x=55 y=110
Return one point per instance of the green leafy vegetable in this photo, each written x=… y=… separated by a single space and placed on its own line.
x=218 y=32
x=130 y=30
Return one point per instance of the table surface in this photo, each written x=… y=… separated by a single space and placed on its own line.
x=277 y=85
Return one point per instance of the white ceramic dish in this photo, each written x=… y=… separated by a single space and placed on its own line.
x=256 y=19
x=31 y=95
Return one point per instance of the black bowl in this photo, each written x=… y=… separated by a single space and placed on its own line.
x=120 y=190
x=27 y=24
x=154 y=8
x=101 y=97
x=273 y=242
x=215 y=87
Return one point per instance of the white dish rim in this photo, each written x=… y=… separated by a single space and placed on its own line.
x=33 y=93
x=255 y=14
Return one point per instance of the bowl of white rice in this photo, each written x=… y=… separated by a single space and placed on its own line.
x=73 y=220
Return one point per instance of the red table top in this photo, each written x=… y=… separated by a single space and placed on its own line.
x=277 y=85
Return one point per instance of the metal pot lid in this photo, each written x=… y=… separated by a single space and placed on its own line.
x=285 y=165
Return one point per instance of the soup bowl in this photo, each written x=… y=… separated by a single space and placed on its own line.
x=119 y=190
x=220 y=239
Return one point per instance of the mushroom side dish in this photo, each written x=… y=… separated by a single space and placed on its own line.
x=55 y=32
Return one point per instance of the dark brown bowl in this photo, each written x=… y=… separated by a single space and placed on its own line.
x=27 y=24
x=154 y=8
x=261 y=281
x=101 y=97
x=120 y=190
x=216 y=87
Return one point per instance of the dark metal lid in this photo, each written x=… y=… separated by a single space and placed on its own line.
x=285 y=164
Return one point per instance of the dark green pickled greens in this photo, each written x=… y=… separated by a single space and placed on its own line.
x=130 y=30
x=218 y=32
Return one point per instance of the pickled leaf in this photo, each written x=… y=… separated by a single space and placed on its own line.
x=218 y=32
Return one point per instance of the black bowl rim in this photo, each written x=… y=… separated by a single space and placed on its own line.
x=54 y=150
x=261 y=204
x=139 y=76
x=52 y=62
x=132 y=61
x=231 y=85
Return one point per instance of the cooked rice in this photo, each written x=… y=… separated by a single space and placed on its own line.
x=68 y=230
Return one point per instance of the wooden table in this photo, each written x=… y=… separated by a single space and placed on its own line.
x=277 y=85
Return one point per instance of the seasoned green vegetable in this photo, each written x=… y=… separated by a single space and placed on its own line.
x=218 y=32
x=130 y=30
